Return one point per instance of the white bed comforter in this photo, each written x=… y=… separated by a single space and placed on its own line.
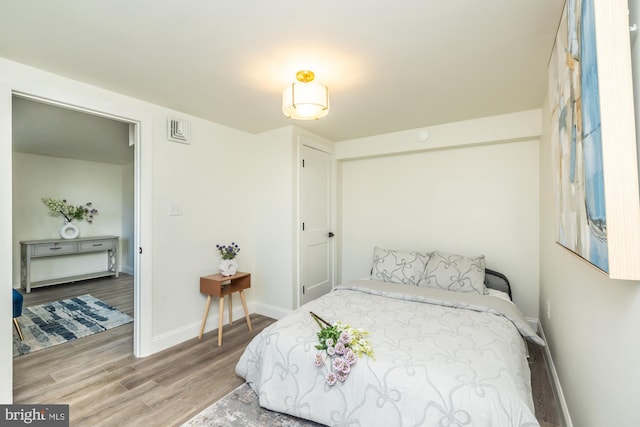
x=441 y=359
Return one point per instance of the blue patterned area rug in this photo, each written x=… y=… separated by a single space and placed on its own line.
x=54 y=323
x=240 y=408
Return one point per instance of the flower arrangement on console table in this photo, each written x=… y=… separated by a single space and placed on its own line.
x=228 y=266
x=70 y=212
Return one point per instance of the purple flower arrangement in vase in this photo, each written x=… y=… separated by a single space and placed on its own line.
x=228 y=266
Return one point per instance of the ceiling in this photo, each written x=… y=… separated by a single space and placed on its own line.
x=48 y=130
x=390 y=65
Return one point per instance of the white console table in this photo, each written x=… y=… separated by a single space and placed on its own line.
x=30 y=249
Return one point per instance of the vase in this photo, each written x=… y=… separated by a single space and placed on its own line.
x=228 y=267
x=69 y=230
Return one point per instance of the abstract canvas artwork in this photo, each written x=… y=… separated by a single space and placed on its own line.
x=576 y=136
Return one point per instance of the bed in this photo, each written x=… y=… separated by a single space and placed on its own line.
x=442 y=356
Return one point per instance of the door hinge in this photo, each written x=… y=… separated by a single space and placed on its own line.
x=303 y=226
x=303 y=289
x=302 y=162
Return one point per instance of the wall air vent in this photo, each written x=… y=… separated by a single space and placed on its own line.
x=178 y=131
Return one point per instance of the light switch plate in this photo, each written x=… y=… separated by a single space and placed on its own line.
x=175 y=209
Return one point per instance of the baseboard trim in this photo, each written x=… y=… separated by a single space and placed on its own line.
x=187 y=332
x=555 y=381
x=270 y=310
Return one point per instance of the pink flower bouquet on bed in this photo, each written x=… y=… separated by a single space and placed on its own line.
x=343 y=345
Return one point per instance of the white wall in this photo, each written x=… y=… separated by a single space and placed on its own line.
x=471 y=200
x=212 y=178
x=274 y=196
x=77 y=181
x=277 y=228
x=593 y=329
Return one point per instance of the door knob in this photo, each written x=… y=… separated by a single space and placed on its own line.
x=331 y=234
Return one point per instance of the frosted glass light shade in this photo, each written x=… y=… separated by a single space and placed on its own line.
x=305 y=101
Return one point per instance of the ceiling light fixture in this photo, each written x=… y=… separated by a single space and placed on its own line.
x=305 y=100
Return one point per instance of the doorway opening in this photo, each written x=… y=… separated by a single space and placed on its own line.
x=61 y=150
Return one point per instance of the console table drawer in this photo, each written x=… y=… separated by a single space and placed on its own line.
x=96 y=246
x=51 y=249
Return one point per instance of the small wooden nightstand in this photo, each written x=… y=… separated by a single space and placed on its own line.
x=221 y=286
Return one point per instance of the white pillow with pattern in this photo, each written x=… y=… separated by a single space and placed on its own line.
x=454 y=273
x=402 y=267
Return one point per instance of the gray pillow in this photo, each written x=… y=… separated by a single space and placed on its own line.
x=454 y=273
x=401 y=267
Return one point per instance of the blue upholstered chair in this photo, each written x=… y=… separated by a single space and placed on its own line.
x=17 y=311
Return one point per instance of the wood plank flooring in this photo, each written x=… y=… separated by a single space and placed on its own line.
x=105 y=385
x=544 y=398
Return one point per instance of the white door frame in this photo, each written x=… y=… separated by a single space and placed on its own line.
x=6 y=245
x=142 y=121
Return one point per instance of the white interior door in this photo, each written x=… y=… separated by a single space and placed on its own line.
x=317 y=227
